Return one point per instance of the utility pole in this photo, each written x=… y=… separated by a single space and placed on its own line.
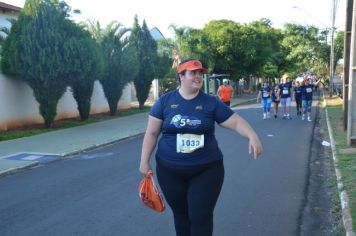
x=347 y=49
x=331 y=84
x=351 y=117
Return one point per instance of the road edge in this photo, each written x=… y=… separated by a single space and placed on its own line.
x=344 y=199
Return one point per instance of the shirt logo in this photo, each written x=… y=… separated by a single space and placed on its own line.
x=200 y=107
x=174 y=106
x=180 y=121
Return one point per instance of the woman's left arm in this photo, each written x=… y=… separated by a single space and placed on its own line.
x=241 y=126
x=258 y=96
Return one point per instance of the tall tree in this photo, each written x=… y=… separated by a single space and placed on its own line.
x=38 y=58
x=94 y=28
x=9 y=48
x=85 y=66
x=339 y=47
x=179 y=51
x=305 y=47
x=120 y=61
x=263 y=64
x=226 y=49
x=146 y=48
x=165 y=71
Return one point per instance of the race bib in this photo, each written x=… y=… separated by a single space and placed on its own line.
x=265 y=94
x=285 y=91
x=309 y=90
x=187 y=143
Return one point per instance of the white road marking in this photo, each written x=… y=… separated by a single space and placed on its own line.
x=31 y=158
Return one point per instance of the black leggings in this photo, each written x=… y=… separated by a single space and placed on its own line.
x=299 y=105
x=192 y=193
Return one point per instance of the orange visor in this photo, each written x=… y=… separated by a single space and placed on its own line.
x=191 y=65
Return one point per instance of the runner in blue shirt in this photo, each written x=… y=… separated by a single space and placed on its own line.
x=189 y=161
x=285 y=92
x=307 y=97
x=265 y=95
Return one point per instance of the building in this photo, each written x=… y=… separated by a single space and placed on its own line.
x=7 y=12
x=156 y=34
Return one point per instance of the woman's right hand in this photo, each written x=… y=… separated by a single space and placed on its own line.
x=255 y=146
x=145 y=167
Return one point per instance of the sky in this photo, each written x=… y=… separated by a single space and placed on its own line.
x=195 y=14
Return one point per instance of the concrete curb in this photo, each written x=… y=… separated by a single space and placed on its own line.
x=109 y=142
x=17 y=168
x=344 y=199
x=242 y=103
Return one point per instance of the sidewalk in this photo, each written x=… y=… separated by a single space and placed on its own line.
x=25 y=152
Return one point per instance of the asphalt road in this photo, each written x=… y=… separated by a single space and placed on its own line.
x=95 y=193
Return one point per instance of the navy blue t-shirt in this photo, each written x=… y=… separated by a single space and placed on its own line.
x=298 y=93
x=285 y=89
x=307 y=92
x=195 y=116
x=274 y=96
x=265 y=92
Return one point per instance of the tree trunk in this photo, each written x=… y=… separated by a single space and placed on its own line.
x=112 y=107
x=48 y=123
x=141 y=105
x=84 y=111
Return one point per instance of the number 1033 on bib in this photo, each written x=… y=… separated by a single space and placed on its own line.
x=187 y=143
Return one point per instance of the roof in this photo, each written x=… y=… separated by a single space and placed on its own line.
x=7 y=7
x=156 y=34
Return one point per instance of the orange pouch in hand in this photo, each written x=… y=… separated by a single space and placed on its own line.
x=149 y=194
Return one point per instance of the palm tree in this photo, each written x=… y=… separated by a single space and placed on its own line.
x=177 y=47
x=119 y=59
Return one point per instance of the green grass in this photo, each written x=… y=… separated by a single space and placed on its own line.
x=346 y=162
x=133 y=111
x=9 y=135
x=347 y=166
x=337 y=225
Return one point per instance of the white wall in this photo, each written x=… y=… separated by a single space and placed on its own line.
x=4 y=22
x=18 y=106
x=153 y=94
